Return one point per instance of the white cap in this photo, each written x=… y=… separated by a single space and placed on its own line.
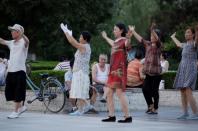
x=16 y=27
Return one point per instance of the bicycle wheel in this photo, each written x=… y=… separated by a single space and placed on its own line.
x=54 y=96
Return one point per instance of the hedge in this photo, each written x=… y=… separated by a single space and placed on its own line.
x=43 y=65
x=168 y=77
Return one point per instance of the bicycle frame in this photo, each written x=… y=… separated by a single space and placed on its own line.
x=37 y=90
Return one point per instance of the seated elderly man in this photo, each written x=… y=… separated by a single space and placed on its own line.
x=100 y=73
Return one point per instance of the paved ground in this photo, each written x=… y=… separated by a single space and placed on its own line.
x=38 y=121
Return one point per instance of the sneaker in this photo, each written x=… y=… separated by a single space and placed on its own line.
x=76 y=113
x=92 y=111
x=153 y=113
x=183 y=117
x=73 y=109
x=22 y=110
x=148 y=111
x=193 y=117
x=110 y=119
x=13 y=115
x=126 y=120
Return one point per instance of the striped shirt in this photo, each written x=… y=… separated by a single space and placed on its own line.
x=65 y=65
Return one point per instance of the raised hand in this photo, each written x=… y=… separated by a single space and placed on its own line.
x=131 y=27
x=173 y=35
x=129 y=34
x=69 y=32
x=153 y=26
x=63 y=27
x=104 y=34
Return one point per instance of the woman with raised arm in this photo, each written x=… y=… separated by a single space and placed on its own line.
x=186 y=76
x=117 y=76
x=151 y=68
x=80 y=79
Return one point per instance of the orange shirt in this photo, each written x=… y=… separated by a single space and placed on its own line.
x=133 y=73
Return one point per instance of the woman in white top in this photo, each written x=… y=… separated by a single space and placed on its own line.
x=164 y=62
x=80 y=79
x=165 y=65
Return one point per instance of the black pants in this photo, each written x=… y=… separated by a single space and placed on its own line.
x=15 y=89
x=151 y=90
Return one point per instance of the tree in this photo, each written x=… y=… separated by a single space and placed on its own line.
x=41 y=19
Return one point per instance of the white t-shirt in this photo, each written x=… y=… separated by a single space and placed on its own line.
x=18 y=55
x=164 y=65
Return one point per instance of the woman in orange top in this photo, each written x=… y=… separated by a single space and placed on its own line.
x=135 y=76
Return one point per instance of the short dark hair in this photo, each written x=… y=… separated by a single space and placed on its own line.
x=86 y=36
x=164 y=55
x=138 y=54
x=122 y=27
x=62 y=58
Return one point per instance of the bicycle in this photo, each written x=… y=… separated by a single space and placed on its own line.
x=50 y=92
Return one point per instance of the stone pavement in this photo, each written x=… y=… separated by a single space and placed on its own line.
x=38 y=121
x=135 y=99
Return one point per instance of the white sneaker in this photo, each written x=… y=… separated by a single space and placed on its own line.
x=22 y=109
x=193 y=117
x=13 y=115
x=183 y=117
x=76 y=113
x=87 y=108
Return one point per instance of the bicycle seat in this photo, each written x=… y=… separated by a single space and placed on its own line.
x=45 y=75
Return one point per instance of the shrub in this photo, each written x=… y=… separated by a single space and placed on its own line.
x=43 y=65
x=169 y=78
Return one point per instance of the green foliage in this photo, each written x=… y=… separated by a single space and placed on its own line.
x=169 y=78
x=130 y=12
x=41 y=20
x=174 y=13
x=43 y=65
x=173 y=63
x=99 y=46
x=138 y=13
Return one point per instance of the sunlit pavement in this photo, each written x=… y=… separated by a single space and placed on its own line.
x=31 y=121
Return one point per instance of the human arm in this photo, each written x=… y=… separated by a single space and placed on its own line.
x=2 y=41
x=136 y=35
x=128 y=41
x=71 y=39
x=176 y=41
x=26 y=40
x=109 y=41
